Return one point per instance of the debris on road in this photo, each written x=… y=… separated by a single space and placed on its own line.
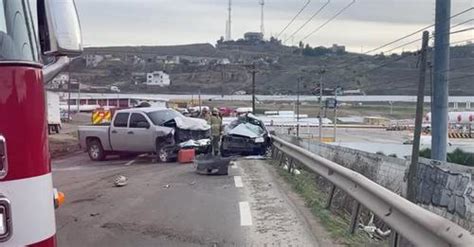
x=167 y=186
x=94 y=214
x=120 y=181
x=212 y=165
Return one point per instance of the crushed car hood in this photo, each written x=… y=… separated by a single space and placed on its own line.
x=188 y=123
x=246 y=129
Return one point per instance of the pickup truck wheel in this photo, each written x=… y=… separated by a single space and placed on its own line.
x=162 y=155
x=95 y=150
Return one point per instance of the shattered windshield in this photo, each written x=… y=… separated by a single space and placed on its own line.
x=163 y=116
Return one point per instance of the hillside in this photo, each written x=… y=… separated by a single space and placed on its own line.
x=278 y=70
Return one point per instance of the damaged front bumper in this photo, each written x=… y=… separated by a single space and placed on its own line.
x=238 y=145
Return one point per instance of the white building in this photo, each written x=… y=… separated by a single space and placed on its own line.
x=59 y=80
x=93 y=60
x=158 y=78
x=223 y=61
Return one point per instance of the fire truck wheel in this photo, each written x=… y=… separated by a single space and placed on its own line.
x=95 y=150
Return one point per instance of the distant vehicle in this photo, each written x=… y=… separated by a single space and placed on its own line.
x=65 y=117
x=54 y=113
x=146 y=130
x=115 y=89
x=243 y=110
x=247 y=135
x=226 y=111
x=454 y=117
x=240 y=93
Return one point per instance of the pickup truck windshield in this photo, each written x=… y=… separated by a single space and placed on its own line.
x=163 y=116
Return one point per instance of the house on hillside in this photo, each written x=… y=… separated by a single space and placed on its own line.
x=158 y=78
x=59 y=81
x=338 y=49
x=223 y=61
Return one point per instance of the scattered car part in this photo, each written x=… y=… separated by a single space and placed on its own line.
x=120 y=181
x=212 y=165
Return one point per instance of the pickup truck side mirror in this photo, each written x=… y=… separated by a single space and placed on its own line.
x=143 y=125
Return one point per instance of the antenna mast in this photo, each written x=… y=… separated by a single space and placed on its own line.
x=262 y=24
x=228 y=34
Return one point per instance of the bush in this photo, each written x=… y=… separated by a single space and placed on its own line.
x=458 y=156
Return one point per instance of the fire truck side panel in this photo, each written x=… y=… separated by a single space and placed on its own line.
x=23 y=124
x=28 y=183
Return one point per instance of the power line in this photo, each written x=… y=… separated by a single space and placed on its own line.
x=294 y=18
x=416 y=32
x=309 y=20
x=462 y=23
x=330 y=19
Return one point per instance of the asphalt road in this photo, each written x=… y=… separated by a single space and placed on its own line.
x=171 y=205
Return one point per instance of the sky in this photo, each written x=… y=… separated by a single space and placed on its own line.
x=365 y=25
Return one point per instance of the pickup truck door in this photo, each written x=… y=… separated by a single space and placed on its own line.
x=140 y=135
x=118 y=132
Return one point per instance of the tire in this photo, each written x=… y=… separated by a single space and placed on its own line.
x=56 y=129
x=162 y=155
x=95 y=150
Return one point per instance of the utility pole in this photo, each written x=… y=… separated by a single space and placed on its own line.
x=298 y=108
x=68 y=96
x=321 y=105
x=412 y=185
x=78 y=97
x=439 y=122
x=335 y=113
x=254 y=72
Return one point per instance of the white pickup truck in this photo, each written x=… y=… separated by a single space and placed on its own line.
x=146 y=130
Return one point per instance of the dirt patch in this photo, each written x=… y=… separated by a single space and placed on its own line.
x=60 y=146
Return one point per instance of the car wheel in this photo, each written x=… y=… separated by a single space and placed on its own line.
x=95 y=150
x=163 y=155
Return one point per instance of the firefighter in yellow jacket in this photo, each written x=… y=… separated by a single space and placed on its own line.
x=216 y=129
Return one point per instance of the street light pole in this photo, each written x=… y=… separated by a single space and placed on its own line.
x=298 y=109
x=321 y=105
x=254 y=71
x=335 y=114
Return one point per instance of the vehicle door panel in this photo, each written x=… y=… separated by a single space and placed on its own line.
x=118 y=132
x=140 y=137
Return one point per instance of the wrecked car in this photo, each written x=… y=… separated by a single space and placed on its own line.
x=146 y=130
x=247 y=135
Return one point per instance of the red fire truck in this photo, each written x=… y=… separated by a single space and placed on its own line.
x=38 y=38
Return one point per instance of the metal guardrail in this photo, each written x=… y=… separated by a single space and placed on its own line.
x=418 y=225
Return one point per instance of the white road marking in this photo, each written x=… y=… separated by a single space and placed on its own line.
x=75 y=168
x=130 y=162
x=245 y=216
x=238 y=182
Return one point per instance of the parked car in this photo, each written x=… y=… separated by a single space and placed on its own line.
x=247 y=135
x=146 y=130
